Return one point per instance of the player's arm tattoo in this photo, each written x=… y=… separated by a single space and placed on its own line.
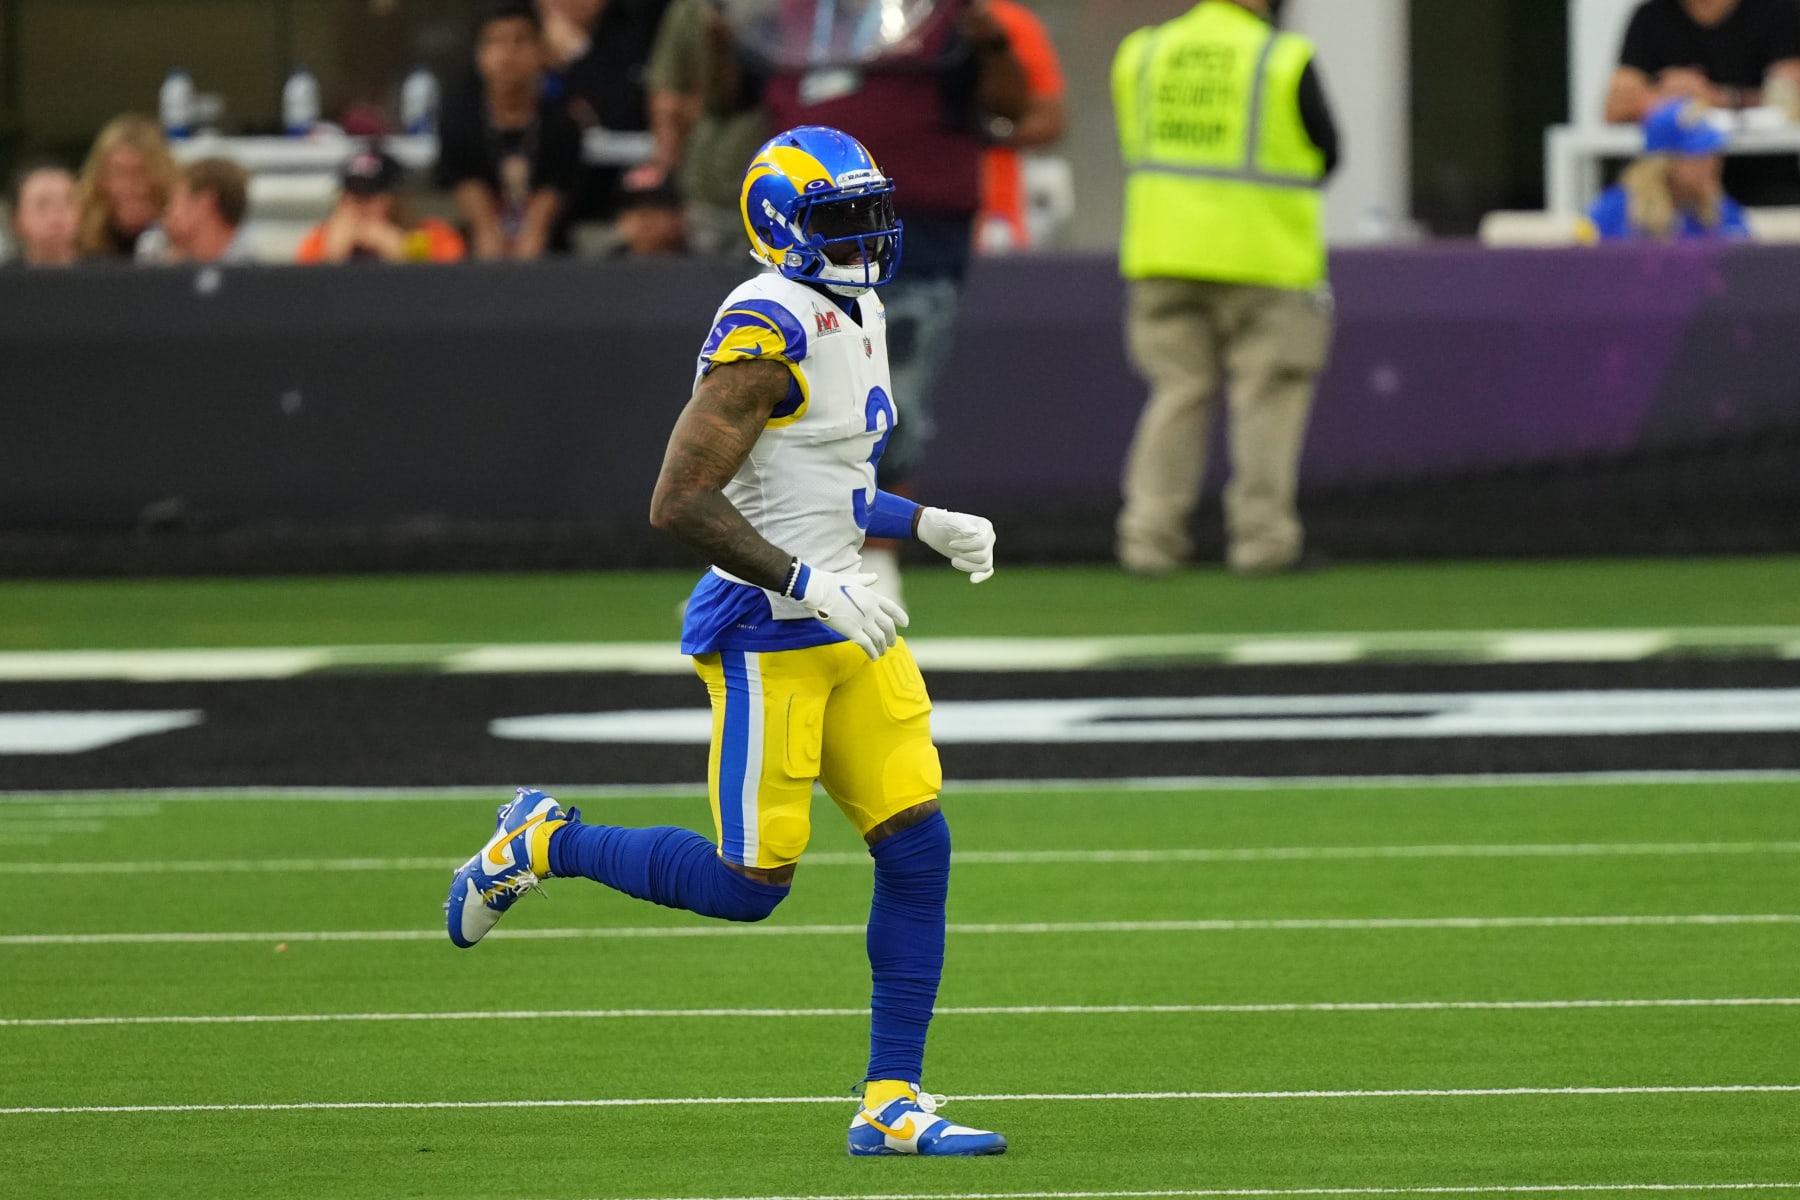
x=712 y=438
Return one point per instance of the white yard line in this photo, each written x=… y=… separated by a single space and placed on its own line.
x=828 y=858
x=37 y=829
x=1031 y=1097
x=995 y=1010
x=1448 y=1190
x=86 y=810
x=1351 y=853
x=493 y=793
x=579 y=792
x=1297 y=924
x=1487 y=1189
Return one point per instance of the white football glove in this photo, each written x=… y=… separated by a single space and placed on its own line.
x=968 y=542
x=847 y=604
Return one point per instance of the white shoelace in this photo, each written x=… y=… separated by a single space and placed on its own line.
x=523 y=882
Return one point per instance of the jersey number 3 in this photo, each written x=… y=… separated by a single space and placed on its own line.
x=880 y=415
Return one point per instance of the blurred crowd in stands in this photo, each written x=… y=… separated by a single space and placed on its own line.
x=1686 y=70
x=950 y=118
x=510 y=181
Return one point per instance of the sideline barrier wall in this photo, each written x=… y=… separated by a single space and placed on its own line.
x=1478 y=402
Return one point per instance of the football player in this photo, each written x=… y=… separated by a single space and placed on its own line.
x=770 y=472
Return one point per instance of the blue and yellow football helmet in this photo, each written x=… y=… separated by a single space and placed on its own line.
x=819 y=210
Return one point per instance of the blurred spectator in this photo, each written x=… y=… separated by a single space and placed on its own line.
x=598 y=49
x=202 y=221
x=1725 y=53
x=650 y=223
x=510 y=156
x=124 y=186
x=568 y=29
x=371 y=222
x=1673 y=192
x=1003 y=201
x=43 y=215
x=1228 y=139
x=925 y=118
x=597 y=53
x=699 y=142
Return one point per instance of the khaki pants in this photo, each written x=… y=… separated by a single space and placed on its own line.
x=1185 y=337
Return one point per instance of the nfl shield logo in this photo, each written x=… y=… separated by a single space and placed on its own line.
x=868 y=348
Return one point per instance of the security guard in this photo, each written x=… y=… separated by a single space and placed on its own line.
x=1228 y=139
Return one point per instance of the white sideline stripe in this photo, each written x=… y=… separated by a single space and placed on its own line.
x=649 y=658
x=1600 y=645
x=732 y=930
x=1033 y=1097
x=1271 y=651
x=227 y=866
x=944 y=654
x=1073 y=653
x=149 y=666
x=987 y=1010
x=578 y=792
x=968 y=857
x=1448 y=1190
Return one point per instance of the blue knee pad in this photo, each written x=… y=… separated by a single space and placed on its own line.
x=673 y=867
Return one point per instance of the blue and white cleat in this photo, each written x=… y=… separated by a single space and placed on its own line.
x=510 y=865
x=909 y=1126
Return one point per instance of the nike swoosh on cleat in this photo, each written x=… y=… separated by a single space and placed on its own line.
x=493 y=854
x=903 y=1131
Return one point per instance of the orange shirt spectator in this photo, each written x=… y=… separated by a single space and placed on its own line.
x=370 y=221
x=1002 y=226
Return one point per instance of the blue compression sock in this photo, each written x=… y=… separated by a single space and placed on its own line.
x=676 y=868
x=906 y=945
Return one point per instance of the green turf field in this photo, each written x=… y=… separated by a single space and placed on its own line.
x=1416 y=902
x=1047 y=601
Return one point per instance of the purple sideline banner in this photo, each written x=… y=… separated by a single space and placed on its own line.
x=398 y=410
x=1448 y=357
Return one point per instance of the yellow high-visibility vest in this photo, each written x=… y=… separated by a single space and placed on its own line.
x=1224 y=183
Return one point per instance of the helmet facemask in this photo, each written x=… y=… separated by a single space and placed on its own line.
x=856 y=239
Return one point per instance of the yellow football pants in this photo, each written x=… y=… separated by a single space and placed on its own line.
x=785 y=718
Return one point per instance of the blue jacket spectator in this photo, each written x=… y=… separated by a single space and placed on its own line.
x=1673 y=191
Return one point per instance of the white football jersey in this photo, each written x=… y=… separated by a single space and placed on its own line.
x=809 y=481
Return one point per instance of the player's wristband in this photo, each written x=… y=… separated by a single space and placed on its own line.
x=891 y=516
x=799 y=575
